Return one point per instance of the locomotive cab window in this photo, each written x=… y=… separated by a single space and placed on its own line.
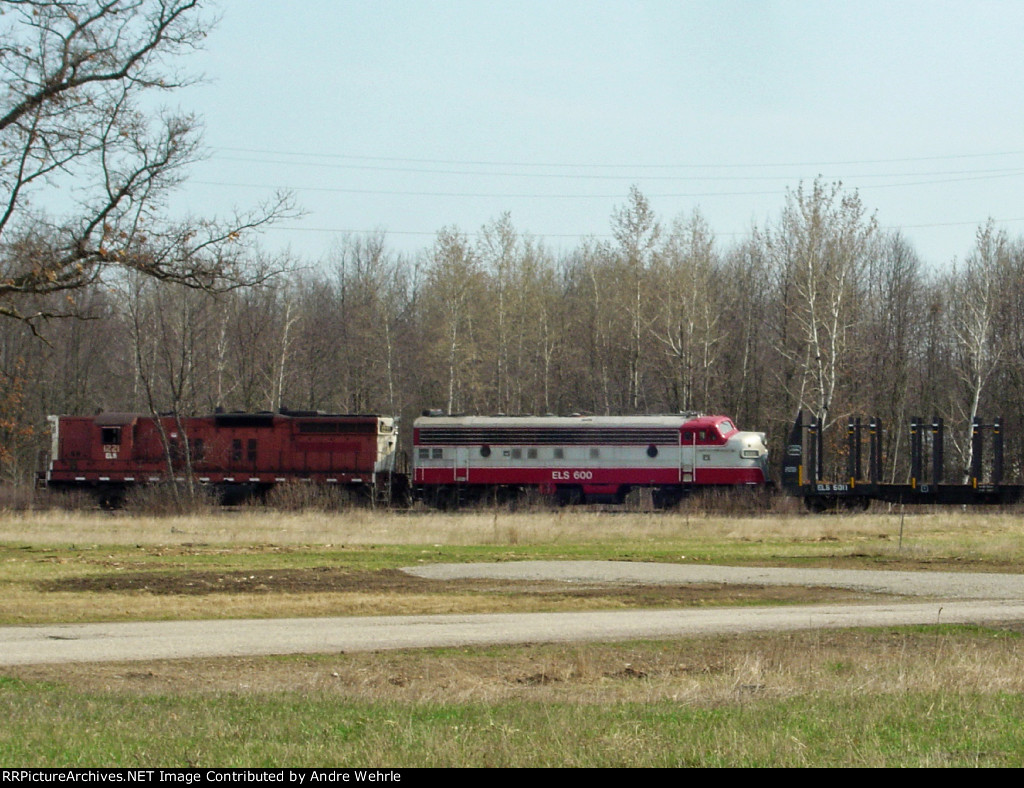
x=424 y=454
x=111 y=436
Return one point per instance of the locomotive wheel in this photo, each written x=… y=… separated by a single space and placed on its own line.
x=569 y=496
x=665 y=497
x=446 y=499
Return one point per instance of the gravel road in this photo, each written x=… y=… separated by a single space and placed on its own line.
x=952 y=598
x=942 y=585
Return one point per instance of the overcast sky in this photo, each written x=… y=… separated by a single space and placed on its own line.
x=410 y=116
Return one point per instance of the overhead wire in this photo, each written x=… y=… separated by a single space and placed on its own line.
x=337 y=161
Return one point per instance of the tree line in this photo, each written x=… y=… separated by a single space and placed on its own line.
x=819 y=310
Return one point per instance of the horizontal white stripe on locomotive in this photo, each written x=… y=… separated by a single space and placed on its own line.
x=519 y=455
x=435 y=436
x=554 y=430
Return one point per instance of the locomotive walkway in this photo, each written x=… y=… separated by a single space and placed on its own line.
x=953 y=598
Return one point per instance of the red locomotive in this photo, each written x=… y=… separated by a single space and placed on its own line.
x=579 y=459
x=237 y=454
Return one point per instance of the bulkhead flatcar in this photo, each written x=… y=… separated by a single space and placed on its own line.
x=235 y=453
x=580 y=459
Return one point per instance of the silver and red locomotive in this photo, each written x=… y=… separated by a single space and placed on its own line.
x=581 y=459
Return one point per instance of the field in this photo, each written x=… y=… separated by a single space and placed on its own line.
x=927 y=696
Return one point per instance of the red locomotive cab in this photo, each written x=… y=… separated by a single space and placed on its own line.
x=715 y=452
x=99 y=444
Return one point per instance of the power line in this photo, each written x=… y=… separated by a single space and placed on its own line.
x=588 y=176
x=966 y=176
x=473 y=234
x=635 y=165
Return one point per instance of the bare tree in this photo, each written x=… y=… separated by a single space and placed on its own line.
x=453 y=281
x=636 y=228
x=74 y=136
x=821 y=250
x=689 y=312
x=976 y=299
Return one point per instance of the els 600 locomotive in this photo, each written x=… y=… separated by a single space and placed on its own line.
x=581 y=459
x=456 y=459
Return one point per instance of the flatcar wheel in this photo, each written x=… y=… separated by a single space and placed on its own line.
x=819 y=504
x=856 y=504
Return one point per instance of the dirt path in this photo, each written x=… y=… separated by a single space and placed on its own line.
x=957 y=598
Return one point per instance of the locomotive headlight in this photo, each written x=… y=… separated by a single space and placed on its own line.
x=754 y=446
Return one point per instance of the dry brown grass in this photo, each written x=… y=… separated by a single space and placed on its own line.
x=705 y=671
x=566 y=526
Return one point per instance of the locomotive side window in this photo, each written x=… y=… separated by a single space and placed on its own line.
x=111 y=436
x=198 y=450
x=687 y=436
x=424 y=454
x=252 y=450
x=531 y=454
x=595 y=453
x=437 y=454
x=236 y=450
x=559 y=453
x=517 y=454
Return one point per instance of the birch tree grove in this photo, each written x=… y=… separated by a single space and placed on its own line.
x=977 y=291
x=823 y=245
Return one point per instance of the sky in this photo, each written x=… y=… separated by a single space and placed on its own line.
x=409 y=117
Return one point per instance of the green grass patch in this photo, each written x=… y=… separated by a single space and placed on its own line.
x=48 y=729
